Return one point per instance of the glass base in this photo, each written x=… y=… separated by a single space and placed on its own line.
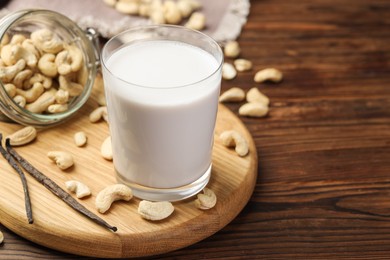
x=169 y=194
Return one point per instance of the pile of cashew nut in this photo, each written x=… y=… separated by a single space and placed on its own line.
x=163 y=12
x=41 y=72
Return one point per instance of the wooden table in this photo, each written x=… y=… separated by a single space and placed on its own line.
x=323 y=188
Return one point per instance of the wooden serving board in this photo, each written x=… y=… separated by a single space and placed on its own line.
x=58 y=226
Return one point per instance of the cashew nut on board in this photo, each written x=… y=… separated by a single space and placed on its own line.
x=98 y=113
x=79 y=188
x=206 y=200
x=80 y=138
x=234 y=139
x=64 y=160
x=23 y=136
x=106 y=149
x=155 y=210
x=112 y=193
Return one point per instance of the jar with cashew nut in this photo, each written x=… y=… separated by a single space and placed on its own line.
x=47 y=67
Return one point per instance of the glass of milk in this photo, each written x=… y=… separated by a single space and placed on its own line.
x=162 y=85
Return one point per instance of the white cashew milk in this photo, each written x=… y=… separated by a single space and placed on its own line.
x=162 y=99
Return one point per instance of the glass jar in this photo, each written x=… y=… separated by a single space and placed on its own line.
x=27 y=21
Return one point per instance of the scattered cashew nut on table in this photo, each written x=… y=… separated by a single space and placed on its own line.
x=155 y=210
x=232 y=95
x=253 y=110
x=269 y=74
x=112 y=193
x=232 y=49
x=228 y=71
x=254 y=95
x=242 y=65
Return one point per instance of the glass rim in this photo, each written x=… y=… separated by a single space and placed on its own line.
x=179 y=27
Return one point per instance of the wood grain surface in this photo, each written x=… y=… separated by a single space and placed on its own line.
x=323 y=188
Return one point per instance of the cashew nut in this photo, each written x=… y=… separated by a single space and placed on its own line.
x=64 y=160
x=269 y=74
x=10 y=54
x=57 y=108
x=255 y=96
x=20 y=100
x=126 y=7
x=172 y=13
x=144 y=9
x=33 y=93
x=8 y=73
x=21 y=77
x=228 y=71
x=47 y=65
x=106 y=149
x=234 y=139
x=47 y=41
x=110 y=194
x=79 y=188
x=207 y=200
x=243 y=64
x=69 y=60
x=232 y=95
x=80 y=138
x=43 y=102
x=155 y=210
x=23 y=136
x=232 y=49
x=185 y=8
x=98 y=113
x=110 y=2
x=253 y=110
x=37 y=77
x=73 y=88
x=11 y=89
x=62 y=96
x=157 y=16
x=17 y=39
x=29 y=46
x=197 y=21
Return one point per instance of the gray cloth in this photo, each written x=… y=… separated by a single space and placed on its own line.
x=225 y=18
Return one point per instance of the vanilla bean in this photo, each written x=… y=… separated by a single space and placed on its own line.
x=11 y=161
x=55 y=189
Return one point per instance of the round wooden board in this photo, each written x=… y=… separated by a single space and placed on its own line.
x=58 y=226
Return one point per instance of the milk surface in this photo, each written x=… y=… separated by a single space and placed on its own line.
x=162 y=99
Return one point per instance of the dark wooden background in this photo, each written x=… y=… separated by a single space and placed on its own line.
x=323 y=188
